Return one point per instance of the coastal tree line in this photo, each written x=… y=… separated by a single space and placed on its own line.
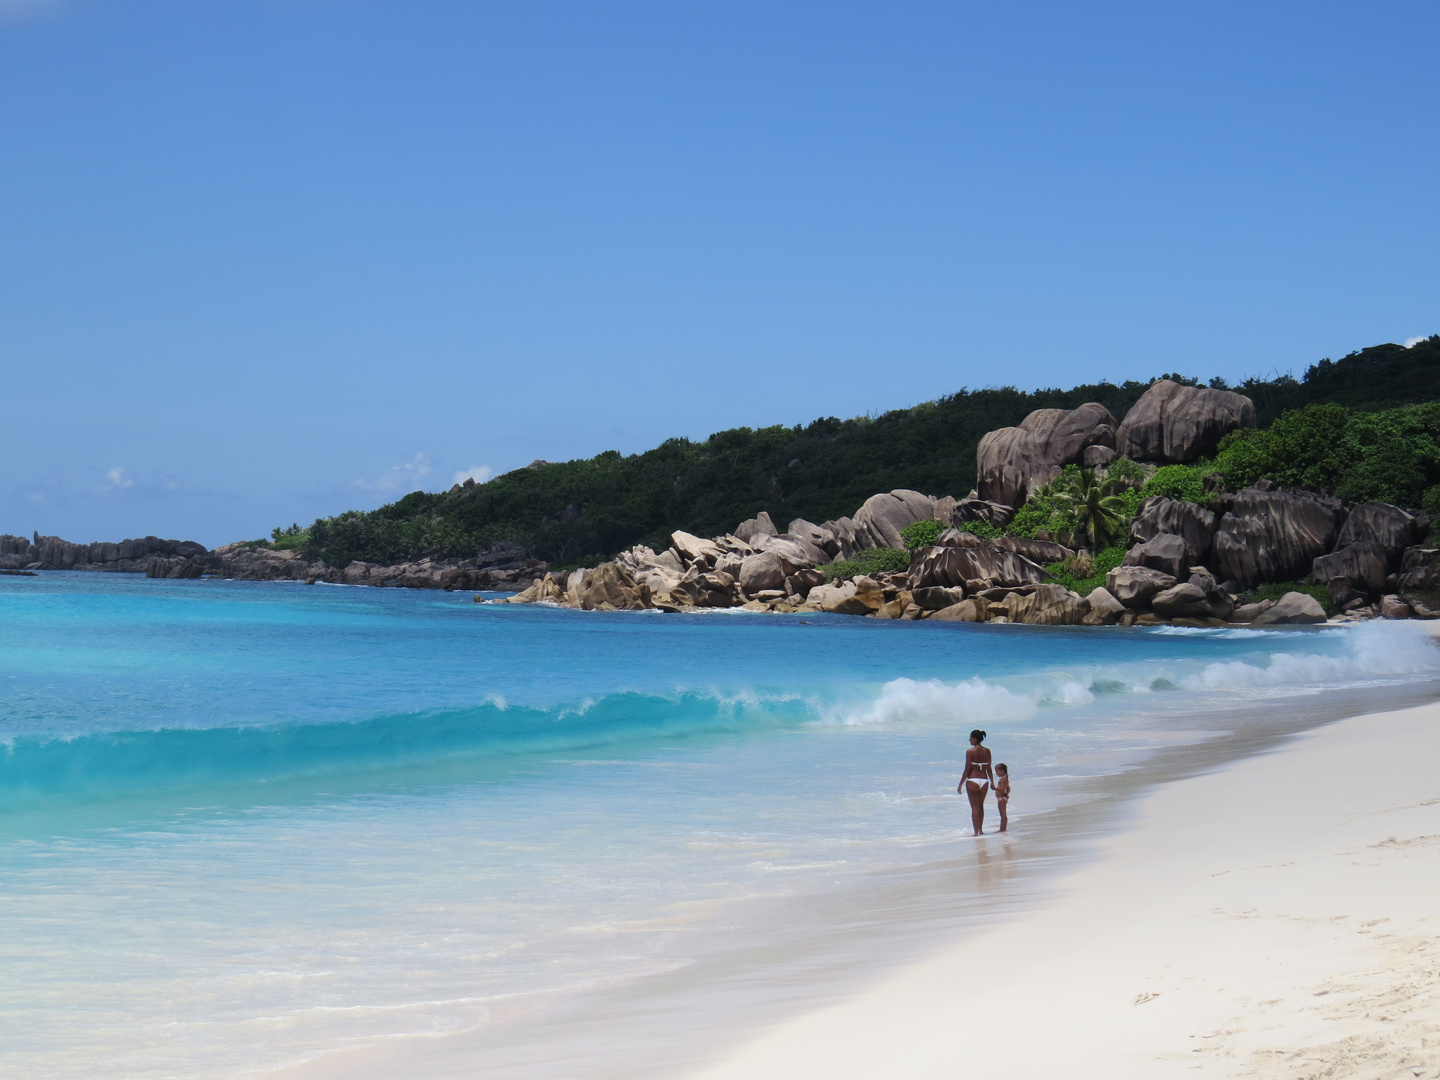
x=1350 y=426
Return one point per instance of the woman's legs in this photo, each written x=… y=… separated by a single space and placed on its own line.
x=977 y=803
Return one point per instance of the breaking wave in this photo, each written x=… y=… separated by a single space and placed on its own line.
x=171 y=758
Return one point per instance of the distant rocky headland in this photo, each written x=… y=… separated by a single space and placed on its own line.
x=1278 y=500
x=504 y=566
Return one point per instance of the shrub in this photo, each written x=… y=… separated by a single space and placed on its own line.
x=1082 y=573
x=921 y=534
x=868 y=562
x=983 y=529
x=1388 y=456
x=1125 y=469
x=292 y=538
x=1182 y=483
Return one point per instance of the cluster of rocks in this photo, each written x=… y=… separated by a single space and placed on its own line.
x=503 y=567
x=127 y=556
x=1170 y=424
x=1185 y=565
x=499 y=568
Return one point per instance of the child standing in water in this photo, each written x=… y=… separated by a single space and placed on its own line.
x=1002 y=792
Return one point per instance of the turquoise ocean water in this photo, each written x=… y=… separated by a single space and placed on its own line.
x=246 y=824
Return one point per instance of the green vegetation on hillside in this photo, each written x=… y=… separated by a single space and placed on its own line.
x=581 y=510
x=1388 y=456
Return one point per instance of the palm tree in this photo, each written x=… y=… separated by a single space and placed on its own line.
x=1096 y=505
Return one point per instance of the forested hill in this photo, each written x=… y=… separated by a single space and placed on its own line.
x=579 y=510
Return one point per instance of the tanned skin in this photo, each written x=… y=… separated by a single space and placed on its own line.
x=1002 y=793
x=975 y=781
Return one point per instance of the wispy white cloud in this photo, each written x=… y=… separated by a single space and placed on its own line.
x=12 y=11
x=403 y=477
x=116 y=480
x=1411 y=342
x=478 y=473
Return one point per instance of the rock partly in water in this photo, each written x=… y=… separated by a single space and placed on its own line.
x=1105 y=610
x=1250 y=612
x=609 y=588
x=1293 y=607
x=1133 y=586
x=935 y=597
x=1392 y=607
x=838 y=599
x=972 y=610
x=1047 y=605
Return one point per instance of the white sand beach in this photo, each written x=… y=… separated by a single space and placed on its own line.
x=1275 y=918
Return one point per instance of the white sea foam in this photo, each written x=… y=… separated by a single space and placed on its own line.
x=1375 y=651
x=972 y=700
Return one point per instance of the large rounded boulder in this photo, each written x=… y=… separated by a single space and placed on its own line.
x=1181 y=424
x=1273 y=535
x=1012 y=463
x=879 y=521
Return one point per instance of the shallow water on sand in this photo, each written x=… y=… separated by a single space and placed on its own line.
x=243 y=825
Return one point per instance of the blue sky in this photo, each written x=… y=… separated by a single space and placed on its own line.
x=263 y=260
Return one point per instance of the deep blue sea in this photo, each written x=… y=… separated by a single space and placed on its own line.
x=246 y=824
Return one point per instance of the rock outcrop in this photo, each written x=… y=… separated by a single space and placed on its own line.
x=610 y=588
x=1047 y=605
x=1164 y=552
x=759 y=525
x=762 y=571
x=1194 y=524
x=126 y=556
x=1271 y=535
x=1388 y=526
x=1198 y=598
x=879 y=521
x=949 y=567
x=1356 y=570
x=1011 y=463
x=1037 y=551
x=1134 y=586
x=1105 y=610
x=1293 y=607
x=1181 y=424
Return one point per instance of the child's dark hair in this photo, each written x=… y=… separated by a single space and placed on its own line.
x=978 y=734
x=1002 y=767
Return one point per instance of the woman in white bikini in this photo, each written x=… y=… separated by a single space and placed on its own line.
x=976 y=779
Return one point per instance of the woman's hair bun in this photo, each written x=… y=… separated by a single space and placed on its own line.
x=978 y=734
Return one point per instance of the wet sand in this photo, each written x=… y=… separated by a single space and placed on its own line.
x=1275 y=918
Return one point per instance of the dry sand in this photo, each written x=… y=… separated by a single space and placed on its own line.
x=1278 y=918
